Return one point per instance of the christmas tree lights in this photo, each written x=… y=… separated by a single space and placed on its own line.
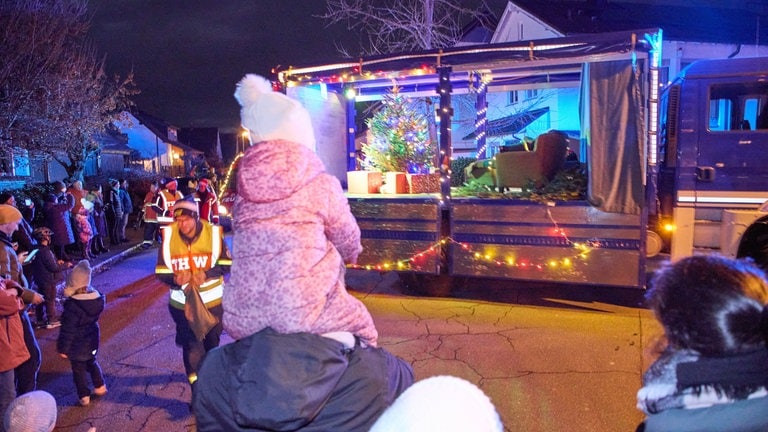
x=399 y=138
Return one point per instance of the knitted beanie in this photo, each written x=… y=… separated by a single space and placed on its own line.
x=79 y=277
x=170 y=183
x=31 y=412
x=269 y=115
x=186 y=206
x=8 y=214
x=442 y=403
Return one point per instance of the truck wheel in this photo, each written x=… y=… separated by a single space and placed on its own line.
x=653 y=244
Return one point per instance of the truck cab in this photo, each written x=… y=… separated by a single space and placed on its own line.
x=713 y=155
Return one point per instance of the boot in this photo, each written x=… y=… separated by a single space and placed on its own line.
x=85 y=251
x=100 y=244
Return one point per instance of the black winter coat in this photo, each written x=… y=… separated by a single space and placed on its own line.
x=295 y=382
x=99 y=218
x=59 y=219
x=46 y=270
x=79 y=334
x=114 y=203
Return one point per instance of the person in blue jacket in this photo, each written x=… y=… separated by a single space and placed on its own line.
x=712 y=374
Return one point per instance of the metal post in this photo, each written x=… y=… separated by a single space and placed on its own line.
x=445 y=114
x=351 y=132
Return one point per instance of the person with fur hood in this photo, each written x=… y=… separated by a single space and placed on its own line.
x=286 y=302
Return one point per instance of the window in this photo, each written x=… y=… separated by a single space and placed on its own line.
x=513 y=97
x=742 y=106
x=531 y=93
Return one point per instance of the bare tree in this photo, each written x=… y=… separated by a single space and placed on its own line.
x=387 y=26
x=35 y=36
x=54 y=94
x=67 y=117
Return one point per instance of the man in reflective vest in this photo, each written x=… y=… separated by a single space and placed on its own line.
x=193 y=259
x=166 y=200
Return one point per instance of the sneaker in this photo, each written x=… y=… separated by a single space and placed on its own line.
x=85 y=400
x=53 y=324
x=100 y=391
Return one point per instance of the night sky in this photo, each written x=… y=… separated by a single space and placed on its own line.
x=187 y=55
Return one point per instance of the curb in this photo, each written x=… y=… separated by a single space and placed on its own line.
x=97 y=268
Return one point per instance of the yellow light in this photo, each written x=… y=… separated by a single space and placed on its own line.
x=669 y=227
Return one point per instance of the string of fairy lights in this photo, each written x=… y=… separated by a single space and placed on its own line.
x=581 y=249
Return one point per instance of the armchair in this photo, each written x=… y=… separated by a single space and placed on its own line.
x=516 y=169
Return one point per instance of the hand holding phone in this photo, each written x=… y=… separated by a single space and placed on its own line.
x=30 y=256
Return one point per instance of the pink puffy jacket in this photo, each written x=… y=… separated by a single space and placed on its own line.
x=293 y=232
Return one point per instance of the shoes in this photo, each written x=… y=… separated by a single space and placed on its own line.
x=100 y=391
x=85 y=400
x=53 y=324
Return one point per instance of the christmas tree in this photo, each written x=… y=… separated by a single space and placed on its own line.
x=399 y=138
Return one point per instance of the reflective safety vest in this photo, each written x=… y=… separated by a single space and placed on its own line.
x=203 y=254
x=167 y=200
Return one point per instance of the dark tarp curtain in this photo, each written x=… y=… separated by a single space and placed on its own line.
x=612 y=121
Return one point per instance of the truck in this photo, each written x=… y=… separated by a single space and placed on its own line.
x=672 y=168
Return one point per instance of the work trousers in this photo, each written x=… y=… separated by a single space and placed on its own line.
x=193 y=350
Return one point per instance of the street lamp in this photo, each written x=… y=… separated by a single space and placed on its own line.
x=243 y=136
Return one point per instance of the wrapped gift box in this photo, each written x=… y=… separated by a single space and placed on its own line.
x=363 y=182
x=424 y=183
x=395 y=183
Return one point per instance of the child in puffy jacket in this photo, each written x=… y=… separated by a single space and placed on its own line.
x=79 y=335
x=293 y=230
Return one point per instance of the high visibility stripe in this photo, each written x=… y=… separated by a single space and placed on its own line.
x=212 y=295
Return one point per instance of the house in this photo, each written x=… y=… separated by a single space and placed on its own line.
x=691 y=31
x=155 y=144
x=113 y=157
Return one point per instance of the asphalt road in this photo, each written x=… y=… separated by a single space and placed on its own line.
x=549 y=360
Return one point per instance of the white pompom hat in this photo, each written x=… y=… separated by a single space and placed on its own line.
x=269 y=115
x=440 y=403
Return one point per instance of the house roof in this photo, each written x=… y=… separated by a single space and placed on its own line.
x=710 y=21
x=511 y=124
x=113 y=142
x=160 y=129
